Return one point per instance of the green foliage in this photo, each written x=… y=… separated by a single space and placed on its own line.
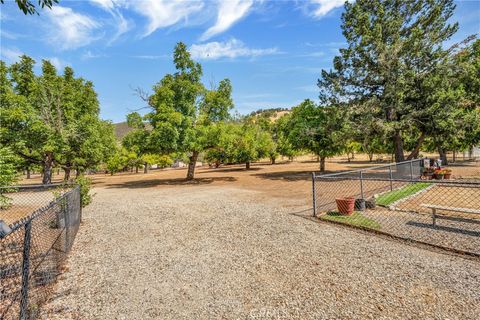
x=317 y=129
x=52 y=120
x=28 y=6
x=186 y=117
x=85 y=185
x=162 y=161
x=384 y=75
x=8 y=175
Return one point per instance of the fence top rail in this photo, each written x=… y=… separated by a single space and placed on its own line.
x=36 y=186
x=393 y=164
x=443 y=182
x=18 y=224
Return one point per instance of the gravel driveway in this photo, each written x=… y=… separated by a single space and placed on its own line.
x=218 y=252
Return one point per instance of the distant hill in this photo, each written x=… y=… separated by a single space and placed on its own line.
x=274 y=113
x=122 y=128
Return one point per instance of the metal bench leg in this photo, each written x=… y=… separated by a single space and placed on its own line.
x=434 y=217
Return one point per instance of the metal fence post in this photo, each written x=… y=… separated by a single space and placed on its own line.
x=314 y=195
x=411 y=169
x=361 y=184
x=25 y=270
x=67 y=223
x=391 y=177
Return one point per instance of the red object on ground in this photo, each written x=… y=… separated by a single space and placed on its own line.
x=345 y=205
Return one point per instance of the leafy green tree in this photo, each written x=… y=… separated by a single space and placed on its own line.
x=138 y=140
x=8 y=175
x=52 y=120
x=393 y=47
x=317 y=129
x=284 y=146
x=186 y=117
x=162 y=161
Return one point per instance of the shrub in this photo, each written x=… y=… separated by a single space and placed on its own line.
x=85 y=196
x=8 y=175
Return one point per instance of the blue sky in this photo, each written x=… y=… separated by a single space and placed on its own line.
x=272 y=51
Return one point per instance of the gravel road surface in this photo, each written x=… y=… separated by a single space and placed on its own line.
x=221 y=252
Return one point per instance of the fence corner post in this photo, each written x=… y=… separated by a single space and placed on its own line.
x=314 y=194
x=25 y=271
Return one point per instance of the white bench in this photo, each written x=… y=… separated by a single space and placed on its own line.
x=435 y=215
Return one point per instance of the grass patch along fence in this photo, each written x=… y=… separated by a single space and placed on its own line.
x=356 y=219
x=388 y=198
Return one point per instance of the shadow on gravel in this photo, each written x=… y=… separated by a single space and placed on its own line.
x=165 y=182
x=286 y=175
x=444 y=228
x=212 y=170
x=306 y=213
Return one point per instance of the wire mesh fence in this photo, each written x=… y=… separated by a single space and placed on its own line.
x=33 y=247
x=406 y=200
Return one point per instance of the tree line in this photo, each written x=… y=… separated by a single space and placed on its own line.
x=51 y=121
x=394 y=88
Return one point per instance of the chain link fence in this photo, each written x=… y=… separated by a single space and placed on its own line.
x=406 y=200
x=38 y=227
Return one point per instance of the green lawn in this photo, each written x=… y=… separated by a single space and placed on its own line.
x=392 y=196
x=356 y=219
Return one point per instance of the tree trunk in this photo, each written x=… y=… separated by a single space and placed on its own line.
x=145 y=167
x=28 y=173
x=348 y=156
x=370 y=156
x=272 y=159
x=322 y=164
x=454 y=156
x=443 y=155
x=47 y=168
x=398 y=147
x=247 y=165
x=416 y=150
x=136 y=169
x=67 y=170
x=78 y=172
x=353 y=155
x=191 y=165
x=470 y=153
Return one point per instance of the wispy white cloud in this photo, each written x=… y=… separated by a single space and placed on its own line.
x=122 y=24
x=10 y=55
x=69 y=29
x=230 y=49
x=322 y=7
x=87 y=55
x=229 y=12
x=164 y=13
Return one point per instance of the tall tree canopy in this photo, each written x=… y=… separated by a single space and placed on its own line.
x=318 y=129
x=52 y=120
x=185 y=116
x=394 y=48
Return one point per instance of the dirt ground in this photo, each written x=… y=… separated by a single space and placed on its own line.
x=237 y=244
